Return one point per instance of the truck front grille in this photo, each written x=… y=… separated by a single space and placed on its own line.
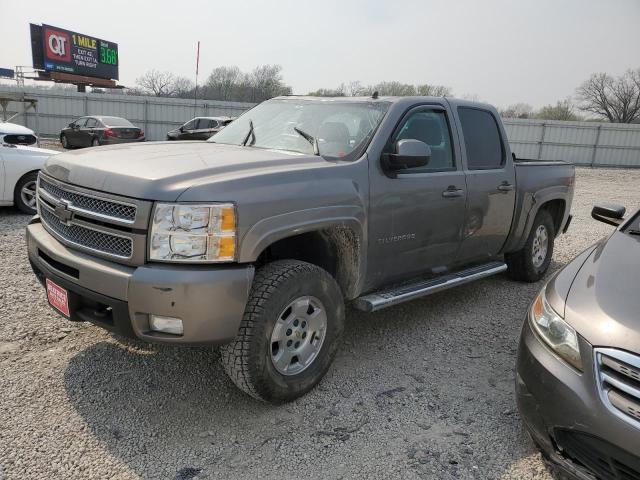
x=89 y=204
x=101 y=224
x=86 y=237
x=618 y=379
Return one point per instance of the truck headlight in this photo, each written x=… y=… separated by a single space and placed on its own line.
x=554 y=331
x=183 y=232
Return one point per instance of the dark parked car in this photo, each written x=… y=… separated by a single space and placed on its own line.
x=578 y=373
x=199 y=128
x=100 y=130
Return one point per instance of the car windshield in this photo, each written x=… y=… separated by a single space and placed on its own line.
x=116 y=122
x=332 y=128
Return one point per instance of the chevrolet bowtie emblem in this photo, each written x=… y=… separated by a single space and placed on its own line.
x=63 y=213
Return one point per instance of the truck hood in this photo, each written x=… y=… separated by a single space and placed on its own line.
x=603 y=304
x=164 y=170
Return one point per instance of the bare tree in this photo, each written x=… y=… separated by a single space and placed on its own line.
x=354 y=88
x=223 y=82
x=616 y=99
x=562 y=110
x=154 y=82
x=433 y=90
x=340 y=91
x=517 y=110
x=183 y=87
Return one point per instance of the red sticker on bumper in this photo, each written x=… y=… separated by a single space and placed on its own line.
x=58 y=297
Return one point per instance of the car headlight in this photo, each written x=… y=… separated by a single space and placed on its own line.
x=554 y=331
x=193 y=233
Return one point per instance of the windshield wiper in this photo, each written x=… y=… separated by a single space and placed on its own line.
x=249 y=134
x=309 y=138
x=633 y=232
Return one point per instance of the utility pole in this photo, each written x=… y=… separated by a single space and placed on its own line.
x=195 y=94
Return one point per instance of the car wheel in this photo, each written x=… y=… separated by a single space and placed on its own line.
x=289 y=333
x=65 y=142
x=530 y=263
x=25 y=193
x=95 y=142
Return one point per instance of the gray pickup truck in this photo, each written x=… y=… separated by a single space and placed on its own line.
x=256 y=239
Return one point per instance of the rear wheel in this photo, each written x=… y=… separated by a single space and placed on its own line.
x=25 y=193
x=95 y=142
x=531 y=262
x=289 y=333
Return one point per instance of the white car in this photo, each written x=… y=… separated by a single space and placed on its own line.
x=19 y=165
x=17 y=134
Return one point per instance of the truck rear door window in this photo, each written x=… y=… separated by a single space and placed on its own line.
x=481 y=139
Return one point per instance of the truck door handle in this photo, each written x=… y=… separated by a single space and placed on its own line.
x=453 y=192
x=505 y=187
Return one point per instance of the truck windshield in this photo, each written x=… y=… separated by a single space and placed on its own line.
x=338 y=129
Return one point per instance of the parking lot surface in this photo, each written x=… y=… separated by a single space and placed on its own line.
x=418 y=391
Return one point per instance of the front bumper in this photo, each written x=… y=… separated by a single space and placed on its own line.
x=210 y=301
x=556 y=403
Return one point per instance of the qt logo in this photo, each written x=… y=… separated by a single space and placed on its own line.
x=57 y=45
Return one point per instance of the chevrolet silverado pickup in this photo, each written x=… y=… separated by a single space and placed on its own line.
x=256 y=239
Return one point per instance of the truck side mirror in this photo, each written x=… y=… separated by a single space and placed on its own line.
x=608 y=213
x=410 y=153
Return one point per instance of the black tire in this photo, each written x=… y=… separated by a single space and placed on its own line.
x=27 y=180
x=65 y=142
x=95 y=142
x=247 y=360
x=521 y=264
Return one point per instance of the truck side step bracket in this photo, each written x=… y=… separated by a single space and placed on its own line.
x=420 y=288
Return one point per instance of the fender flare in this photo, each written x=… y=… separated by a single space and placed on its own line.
x=539 y=199
x=271 y=229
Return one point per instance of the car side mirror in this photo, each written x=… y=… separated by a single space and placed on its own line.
x=609 y=213
x=70 y=125
x=409 y=153
x=181 y=129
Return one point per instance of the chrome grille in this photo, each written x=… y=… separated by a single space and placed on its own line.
x=618 y=378
x=87 y=237
x=89 y=204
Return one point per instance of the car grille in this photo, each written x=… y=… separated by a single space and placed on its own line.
x=87 y=203
x=87 y=237
x=604 y=460
x=618 y=378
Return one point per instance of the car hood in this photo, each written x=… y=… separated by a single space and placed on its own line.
x=7 y=128
x=164 y=170
x=603 y=304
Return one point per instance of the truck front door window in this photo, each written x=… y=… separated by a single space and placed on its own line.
x=431 y=127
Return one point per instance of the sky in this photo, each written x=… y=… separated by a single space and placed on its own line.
x=500 y=51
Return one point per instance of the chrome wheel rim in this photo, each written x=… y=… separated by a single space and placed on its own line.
x=28 y=194
x=65 y=143
x=298 y=335
x=540 y=246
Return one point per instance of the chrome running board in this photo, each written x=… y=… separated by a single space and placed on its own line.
x=409 y=291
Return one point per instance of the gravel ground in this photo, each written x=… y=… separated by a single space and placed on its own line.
x=421 y=390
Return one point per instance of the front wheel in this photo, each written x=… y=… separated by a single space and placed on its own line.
x=289 y=333
x=25 y=193
x=531 y=262
x=65 y=142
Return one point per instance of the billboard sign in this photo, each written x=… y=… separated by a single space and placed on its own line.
x=56 y=49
